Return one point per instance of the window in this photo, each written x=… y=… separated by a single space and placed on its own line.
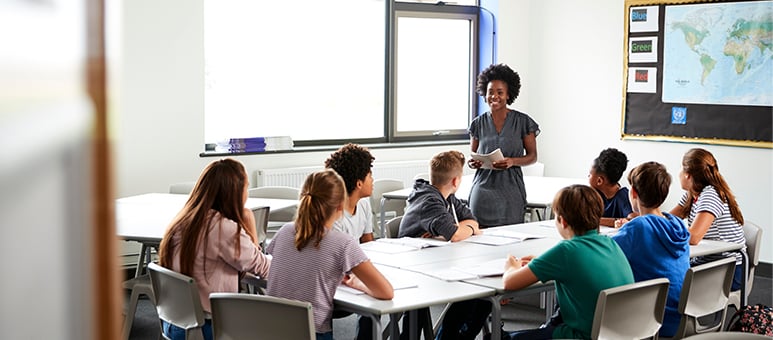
x=435 y=53
x=311 y=70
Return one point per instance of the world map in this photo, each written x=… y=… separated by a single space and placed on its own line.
x=720 y=53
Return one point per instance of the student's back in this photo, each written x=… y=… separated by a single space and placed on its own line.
x=313 y=273
x=655 y=243
x=658 y=247
x=581 y=267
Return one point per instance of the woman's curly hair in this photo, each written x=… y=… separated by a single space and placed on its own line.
x=500 y=72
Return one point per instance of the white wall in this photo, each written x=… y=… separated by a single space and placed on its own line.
x=569 y=55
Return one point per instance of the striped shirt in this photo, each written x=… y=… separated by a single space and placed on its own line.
x=312 y=274
x=724 y=228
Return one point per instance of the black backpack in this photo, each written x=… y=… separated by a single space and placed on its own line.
x=756 y=319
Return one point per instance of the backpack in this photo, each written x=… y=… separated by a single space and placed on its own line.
x=756 y=319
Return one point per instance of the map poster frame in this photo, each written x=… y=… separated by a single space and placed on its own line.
x=646 y=117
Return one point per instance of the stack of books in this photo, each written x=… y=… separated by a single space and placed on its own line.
x=254 y=144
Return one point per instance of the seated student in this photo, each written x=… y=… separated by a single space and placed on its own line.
x=212 y=239
x=434 y=211
x=656 y=243
x=710 y=208
x=353 y=163
x=310 y=258
x=604 y=176
x=574 y=264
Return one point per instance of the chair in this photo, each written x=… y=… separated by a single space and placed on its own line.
x=704 y=294
x=139 y=286
x=422 y=175
x=177 y=300
x=182 y=188
x=393 y=227
x=380 y=186
x=261 y=224
x=633 y=311
x=245 y=316
x=753 y=235
x=727 y=335
x=278 y=217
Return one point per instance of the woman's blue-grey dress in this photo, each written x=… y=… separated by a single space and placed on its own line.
x=498 y=197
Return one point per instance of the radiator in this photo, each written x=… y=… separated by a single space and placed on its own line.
x=294 y=177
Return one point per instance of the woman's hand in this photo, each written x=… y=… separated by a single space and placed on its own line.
x=503 y=164
x=474 y=163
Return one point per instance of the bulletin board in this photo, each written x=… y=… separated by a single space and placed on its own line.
x=699 y=72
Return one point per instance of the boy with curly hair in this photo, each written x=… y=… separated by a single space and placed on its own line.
x=353 y=163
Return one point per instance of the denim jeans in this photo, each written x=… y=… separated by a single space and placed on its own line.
x=177 y=333
x=532 y=334
x=325 y=336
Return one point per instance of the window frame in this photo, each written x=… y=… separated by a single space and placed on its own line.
x=432 y=11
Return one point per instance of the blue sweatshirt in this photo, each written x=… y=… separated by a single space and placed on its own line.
x=658 y=247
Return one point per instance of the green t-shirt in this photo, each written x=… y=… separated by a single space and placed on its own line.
x=581 y=268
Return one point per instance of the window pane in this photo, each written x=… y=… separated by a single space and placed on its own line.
x=433 y=81
x=304 y=68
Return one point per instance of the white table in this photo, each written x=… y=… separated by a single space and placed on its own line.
x=540 y=192
x=144 y=218
x=428 y=292
x=467 y=254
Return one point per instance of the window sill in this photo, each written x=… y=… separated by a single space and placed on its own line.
x=302 y=149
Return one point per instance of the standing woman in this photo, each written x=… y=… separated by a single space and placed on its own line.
x=212 y=239
x=311 y=258
x=710 y=208
x=498 y=195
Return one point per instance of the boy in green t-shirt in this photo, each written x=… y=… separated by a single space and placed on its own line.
x=574 y=264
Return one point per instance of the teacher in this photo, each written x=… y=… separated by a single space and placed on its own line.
x=498 y=195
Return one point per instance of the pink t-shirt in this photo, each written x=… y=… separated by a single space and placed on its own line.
x=216 y=267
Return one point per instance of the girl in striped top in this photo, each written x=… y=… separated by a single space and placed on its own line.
x=310 y=258
x=710 y=208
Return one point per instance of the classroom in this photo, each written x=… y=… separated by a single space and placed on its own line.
x=569 y=55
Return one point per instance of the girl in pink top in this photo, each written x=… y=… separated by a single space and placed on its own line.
x=213 y=237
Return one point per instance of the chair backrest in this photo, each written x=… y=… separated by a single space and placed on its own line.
x=261 y=223
x=753 y=234
x=248 y=316
x=182 y=188
x=727 y=335
x=278 y=191
x=422 y=175
x=177 y=300
x=704 y=293
x=633 y=311
x=380 y=186
x=393 y=226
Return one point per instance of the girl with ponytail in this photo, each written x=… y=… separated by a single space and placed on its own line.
x=710 y=208
x=310 y=258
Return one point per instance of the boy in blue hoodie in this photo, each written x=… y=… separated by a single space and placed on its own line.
x=655 y=243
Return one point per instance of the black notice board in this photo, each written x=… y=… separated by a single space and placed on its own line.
x=646 y=116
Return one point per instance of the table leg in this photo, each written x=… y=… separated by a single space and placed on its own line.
x=141 y=260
